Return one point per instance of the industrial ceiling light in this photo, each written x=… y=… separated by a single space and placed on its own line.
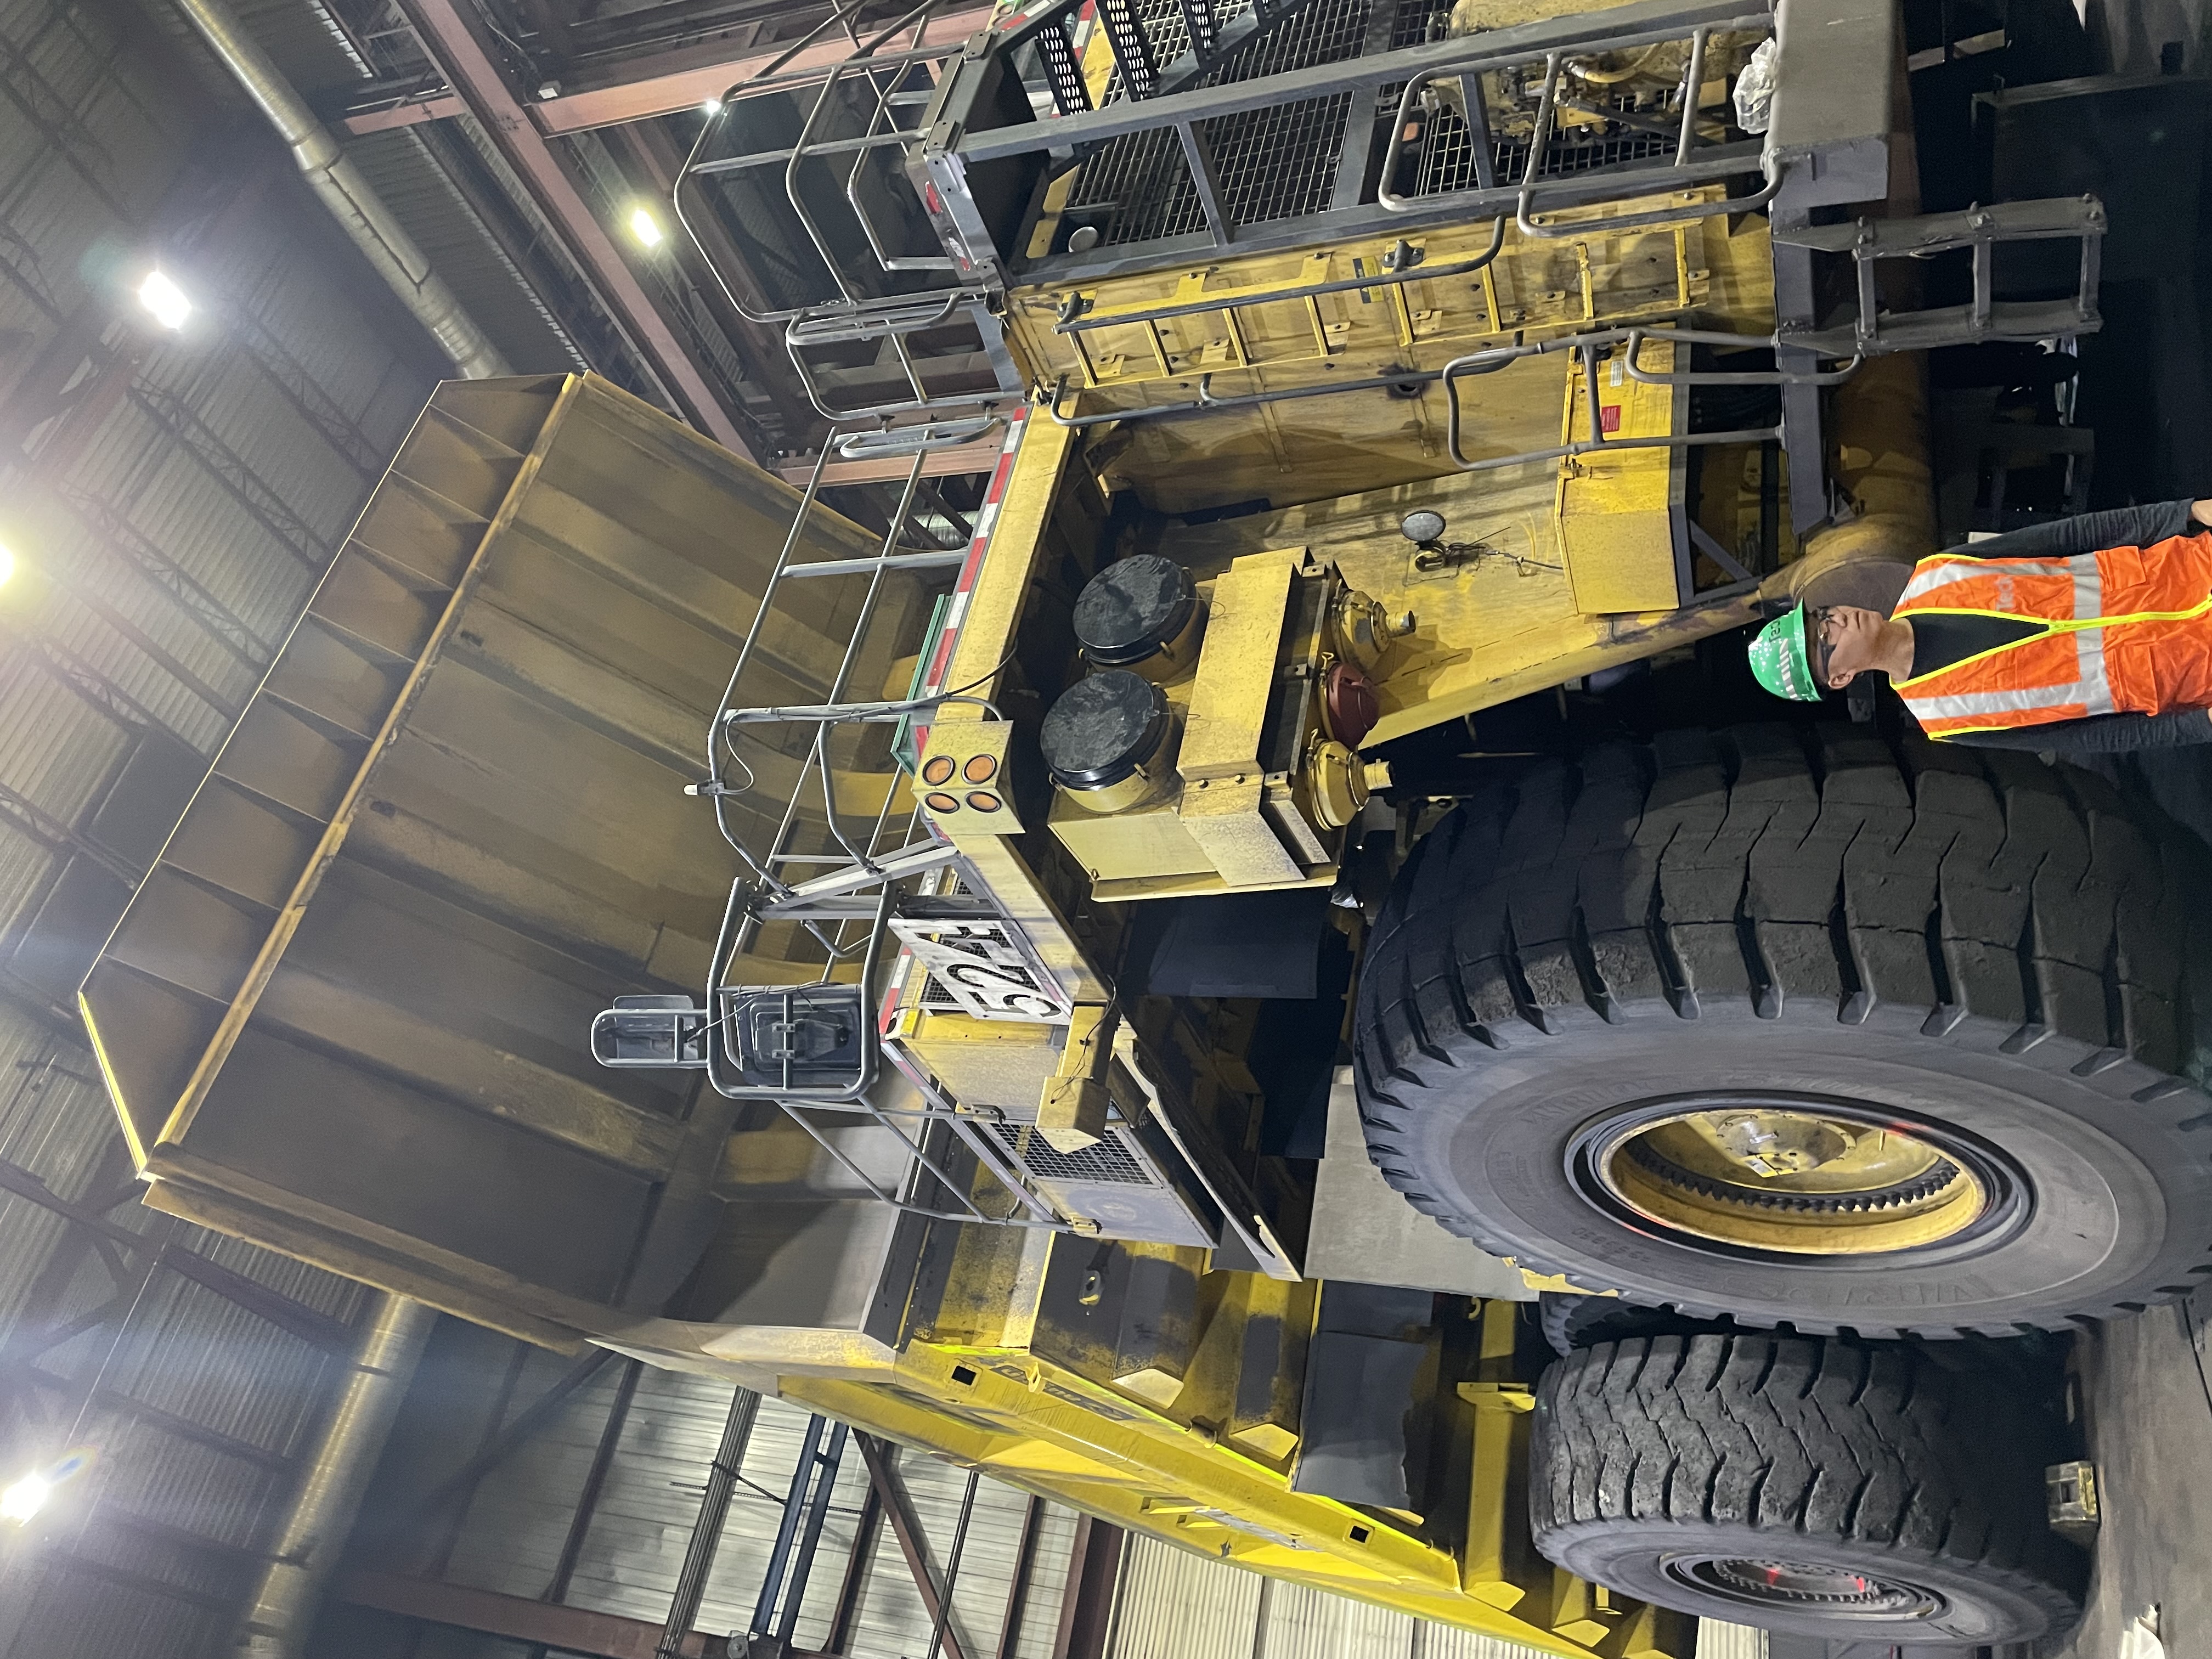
x=711 y=108
x=20 y=1502
x=165 y=300
x=645 y=227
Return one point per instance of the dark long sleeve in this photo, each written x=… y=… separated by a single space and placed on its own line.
x=2100 y=734
x=2089 y=532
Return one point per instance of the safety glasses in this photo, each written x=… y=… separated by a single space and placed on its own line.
x=1816 y=629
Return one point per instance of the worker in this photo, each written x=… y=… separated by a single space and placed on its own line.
x=2087 y=635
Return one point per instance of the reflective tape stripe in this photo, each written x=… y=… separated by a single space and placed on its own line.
x=2067 y=711
x=2096 y=685
x=2088 y=589
x=1966 y=705
x=1943 y=570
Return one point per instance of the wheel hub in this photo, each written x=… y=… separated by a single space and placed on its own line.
x=1777 y=1585
x=1790 y=1175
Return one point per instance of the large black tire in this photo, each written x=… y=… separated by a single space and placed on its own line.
x=1753 y=1478
x=1972 y=945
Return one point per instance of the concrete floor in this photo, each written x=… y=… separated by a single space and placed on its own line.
x=2148 y=1416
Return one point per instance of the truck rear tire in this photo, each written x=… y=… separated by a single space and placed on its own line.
x=1822 y=1488
x=1778 y=1025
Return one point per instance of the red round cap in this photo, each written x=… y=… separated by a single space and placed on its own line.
x=1348 y=704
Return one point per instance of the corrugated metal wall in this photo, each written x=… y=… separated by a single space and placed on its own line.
x=1173 y=1604
x=513 y=1528
x=1719 y=1641
x=1170 y=1603
x=167 y=499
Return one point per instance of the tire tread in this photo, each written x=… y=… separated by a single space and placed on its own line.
x=1867 y=1445
x=1975 y=896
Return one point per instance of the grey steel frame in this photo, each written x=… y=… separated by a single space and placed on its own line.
x=1870 y=241
x=956 y=145
x=1684 y=168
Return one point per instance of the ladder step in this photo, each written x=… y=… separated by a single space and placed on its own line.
x=907 y=861
x=843 y=327
x=937 y=561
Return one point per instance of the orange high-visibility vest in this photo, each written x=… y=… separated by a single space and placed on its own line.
x=2128 y=630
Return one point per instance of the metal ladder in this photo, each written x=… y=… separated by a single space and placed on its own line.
x=1868 y=241
x=816 y=1049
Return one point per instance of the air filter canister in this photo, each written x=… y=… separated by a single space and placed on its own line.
x=1140 y=614
x=1106 y=741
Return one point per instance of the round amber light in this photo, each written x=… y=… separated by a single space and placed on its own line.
x=937 y=769
x=984 y=800
x=940 y=803
x=979 y=768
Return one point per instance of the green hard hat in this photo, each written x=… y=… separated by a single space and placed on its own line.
x=1778 y=661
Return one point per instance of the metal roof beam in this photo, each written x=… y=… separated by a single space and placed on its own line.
x=453 y=36
x=123 y=1405
x=311 y=1325
x=535 y=1418
x=658 y=83
x=906 y=1527
x=562 y=1629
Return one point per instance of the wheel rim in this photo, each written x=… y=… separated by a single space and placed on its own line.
x=1777 y=1585
x=1783 y=1176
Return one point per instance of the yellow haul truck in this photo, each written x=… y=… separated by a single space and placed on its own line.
x=873 y=954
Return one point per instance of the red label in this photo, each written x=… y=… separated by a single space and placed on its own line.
x=1608 y=417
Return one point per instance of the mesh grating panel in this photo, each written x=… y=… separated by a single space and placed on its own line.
x=1420 y=20
x=1281 y=163
x=1450 y=163
x=1106 y=1163
x=1272 y=163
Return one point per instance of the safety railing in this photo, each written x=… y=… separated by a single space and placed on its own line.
x=816 y=1049
x=1488 y=361
x=1212 y=147
x=894 y=84
x=1979 y=231
x=1684 y=167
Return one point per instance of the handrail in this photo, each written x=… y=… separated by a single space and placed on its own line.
x=1411 y=273
x=1485 y=362
x=1477 y=63
x=1585 y=348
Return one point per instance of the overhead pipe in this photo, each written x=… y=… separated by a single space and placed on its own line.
x=335 y=1477
x=706 y=1529
x=334 y=178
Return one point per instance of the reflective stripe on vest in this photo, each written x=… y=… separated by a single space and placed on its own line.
x=2065 y=596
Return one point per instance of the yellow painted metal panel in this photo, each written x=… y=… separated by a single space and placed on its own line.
x=1236 y=667
x=1620 y=523
x=346 y=1013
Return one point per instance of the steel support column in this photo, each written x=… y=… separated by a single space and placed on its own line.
x=846 y=1616
x=453 y=36
x=907 y=1528
x=519 y=1618
x=595 y=1482
x=1086 y=1607
x=1018 y=1592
